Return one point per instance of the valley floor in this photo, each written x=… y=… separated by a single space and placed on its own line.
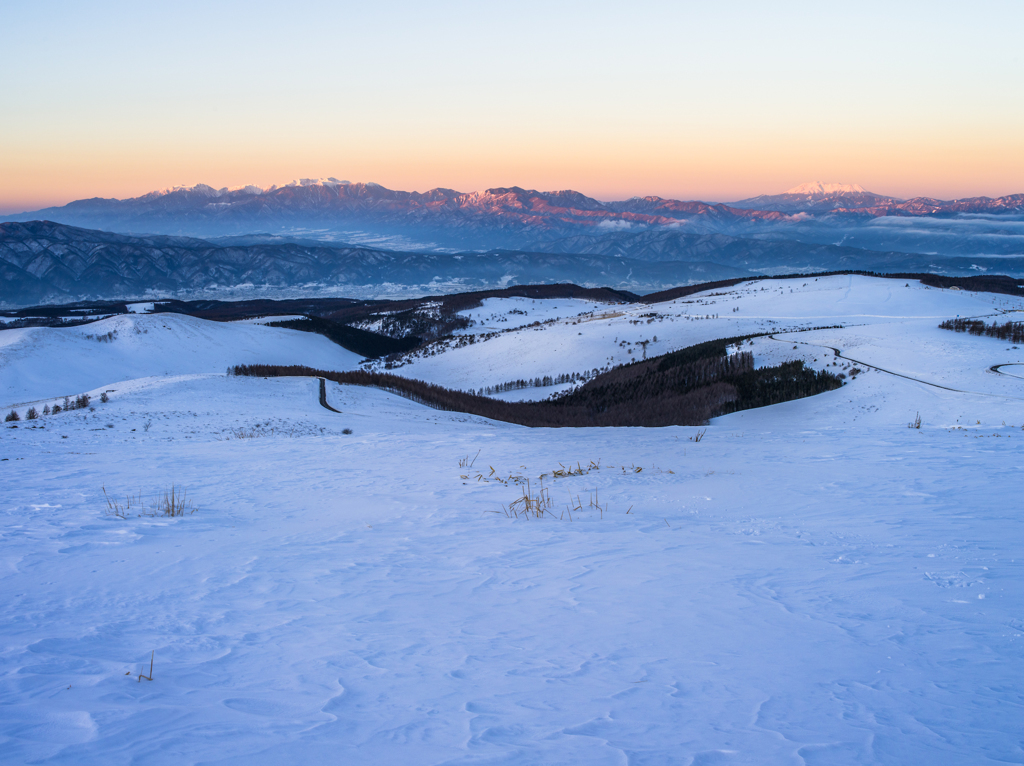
x=808 y=583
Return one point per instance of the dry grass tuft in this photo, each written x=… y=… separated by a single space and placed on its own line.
x=173 y=502
x=594 y=503
x=122 y=510
x=467 y=463
x=531 y=504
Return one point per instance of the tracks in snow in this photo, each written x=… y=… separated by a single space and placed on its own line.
x=996 y=368
x=323 y=396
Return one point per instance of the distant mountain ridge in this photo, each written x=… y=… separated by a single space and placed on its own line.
x=852 y=200
x=45 y=262
x=817 y=197
x=773 y=256
x=42 y=261
x=817 y=187
x=501 y=216
x=497 y=217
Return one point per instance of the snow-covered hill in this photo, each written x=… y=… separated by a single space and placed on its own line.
x=812 y=582
x=40 y=362
x=576 y=336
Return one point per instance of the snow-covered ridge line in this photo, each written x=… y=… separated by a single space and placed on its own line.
x=209 y=191
x=817 y=187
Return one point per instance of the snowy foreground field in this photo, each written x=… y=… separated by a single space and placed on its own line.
x=809 y=583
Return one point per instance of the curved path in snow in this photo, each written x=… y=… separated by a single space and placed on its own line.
x=839 y=355
x=323 y=396
x=997 y=368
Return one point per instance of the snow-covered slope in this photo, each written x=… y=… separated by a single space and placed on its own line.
x=41 y=362
x=811 y=582
x=569 y=341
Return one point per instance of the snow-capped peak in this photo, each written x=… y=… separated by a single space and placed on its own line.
x=817 y=188
x=209 y=191
x=318 y=182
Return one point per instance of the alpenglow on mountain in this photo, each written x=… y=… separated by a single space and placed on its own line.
x=818 y=197
x=510 y=217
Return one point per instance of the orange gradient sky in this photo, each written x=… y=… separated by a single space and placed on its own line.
x=677 y=99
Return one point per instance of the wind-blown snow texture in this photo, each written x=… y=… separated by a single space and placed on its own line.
x=812 y=582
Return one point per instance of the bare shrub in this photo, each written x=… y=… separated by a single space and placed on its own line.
x=346 y=431
x=530 y=504
x=31 y=414
x=124 y=509
x=104 y=398
x=12 y=416
x=916 y=422
x=175 y=503
x=46 y=409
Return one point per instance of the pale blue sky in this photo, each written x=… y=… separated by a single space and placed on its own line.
x=711 y=100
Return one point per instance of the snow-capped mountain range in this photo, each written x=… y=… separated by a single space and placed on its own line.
x=209 y=191
x=817 y=197
x=496 y=217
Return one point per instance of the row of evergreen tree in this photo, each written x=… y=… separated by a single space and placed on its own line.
x=80 y=402
x=544 y=381
x=1011 y=332
x=687 y=387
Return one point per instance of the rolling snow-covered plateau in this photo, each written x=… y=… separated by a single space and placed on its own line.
x=807 y=583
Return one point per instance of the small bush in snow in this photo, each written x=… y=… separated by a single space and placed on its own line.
x=56 y=409
x=12 y=416
x=46 y=409
x=346 y=431
x=31 y=414
x=104 y=398
x=81 y=401
x=175 y=503
x=122 y=510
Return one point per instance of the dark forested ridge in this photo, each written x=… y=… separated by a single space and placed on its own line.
x=687 y=387
x=41 y=261
x=368 y=344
